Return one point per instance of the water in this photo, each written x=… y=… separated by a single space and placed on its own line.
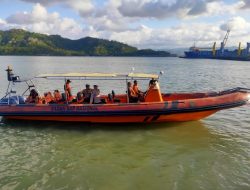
x=209 y=154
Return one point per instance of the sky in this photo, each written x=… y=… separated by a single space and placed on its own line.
x=156 y=24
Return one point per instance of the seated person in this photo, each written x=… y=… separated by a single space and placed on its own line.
x=95 y=95
x=133 y=97
x=84 y=95
x=137 y=91
x=57 y=96
x=48 y=97
x=79 y=97
x=152 y=83
x=33 y=98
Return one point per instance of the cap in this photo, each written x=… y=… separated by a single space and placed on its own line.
x=68 y=80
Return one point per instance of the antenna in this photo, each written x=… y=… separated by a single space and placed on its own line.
x=11 y=76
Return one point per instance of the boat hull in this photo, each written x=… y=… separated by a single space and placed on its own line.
x=181 y=117
x=174 y=107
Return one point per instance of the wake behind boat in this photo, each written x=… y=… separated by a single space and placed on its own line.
x=150 y=106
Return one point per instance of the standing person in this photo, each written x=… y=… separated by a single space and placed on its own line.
x=132 y=96
x=95 y=95
x=67 y=89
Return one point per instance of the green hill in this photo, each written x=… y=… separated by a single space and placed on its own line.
x=21 y=42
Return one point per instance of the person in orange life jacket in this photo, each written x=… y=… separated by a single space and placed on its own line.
x=33 y=97
x=49 y=99
x=133 y=97
x=67 y=89
x=57 y=96
x=136 y=89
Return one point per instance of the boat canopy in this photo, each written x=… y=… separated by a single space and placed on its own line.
x=114 y=76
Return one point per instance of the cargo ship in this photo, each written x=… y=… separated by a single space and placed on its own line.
x=239 y=54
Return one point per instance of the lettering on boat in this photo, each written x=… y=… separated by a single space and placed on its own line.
x=175 y=104
x=192 y=104
x=73 y=108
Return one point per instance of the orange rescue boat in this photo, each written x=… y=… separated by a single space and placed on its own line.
x=153 y=107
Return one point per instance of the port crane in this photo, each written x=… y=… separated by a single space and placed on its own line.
x=223 y=44
x=225 y=38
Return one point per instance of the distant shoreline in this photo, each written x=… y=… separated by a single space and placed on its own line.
x=24 y=43
x=85 y=56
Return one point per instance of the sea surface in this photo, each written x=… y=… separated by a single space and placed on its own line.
x=213 y=153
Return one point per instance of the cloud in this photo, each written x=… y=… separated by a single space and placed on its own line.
x=162 y=9
x=222 y=8
x=38 y=14
x=132 y=21
x=134 y=37
x=199 y=8
x=246 y=4
x=182 y=9
x=39 y=20
x=19 y=18
x=108 y=19
x=83 y=7
x=45 y=2
x=2 y=23
x=238 y=25
x=182 y=35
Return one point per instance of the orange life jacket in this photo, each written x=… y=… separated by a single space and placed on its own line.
x=38 y=100
x=49 y=98
x=57 y=96
x=136 y=89
x=132 y=92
